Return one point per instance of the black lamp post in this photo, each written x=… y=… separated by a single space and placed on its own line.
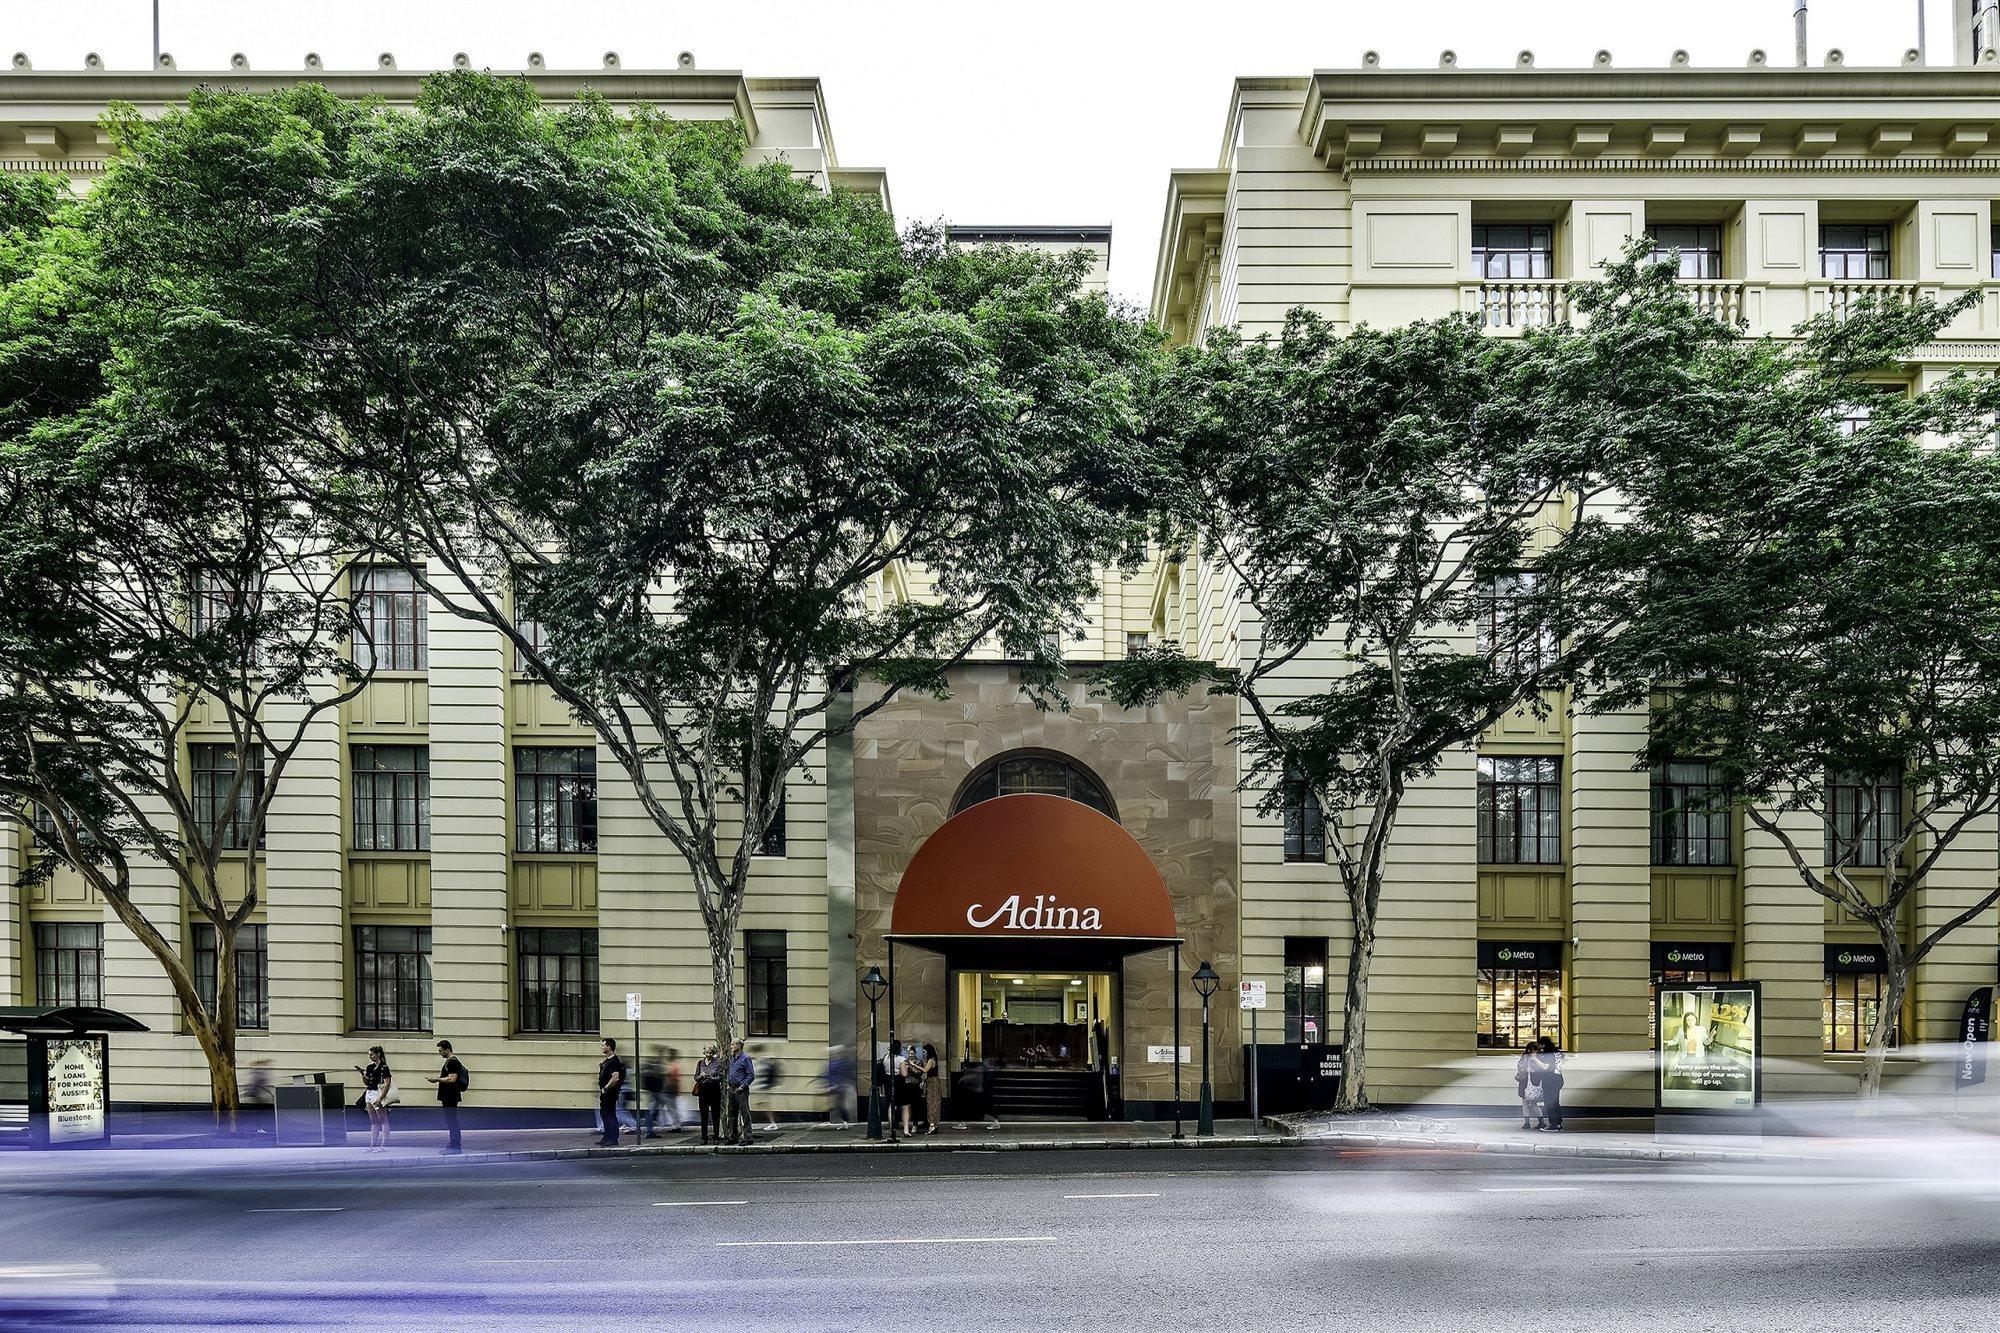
x=873 y=986
x=1205 y=982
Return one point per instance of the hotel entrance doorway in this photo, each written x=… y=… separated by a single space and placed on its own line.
x=1037 y=1020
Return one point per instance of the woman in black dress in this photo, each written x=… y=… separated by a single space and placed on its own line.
x=377 y=1079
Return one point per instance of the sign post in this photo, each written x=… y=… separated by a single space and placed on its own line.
x=1250 y=995
x=633 y=1000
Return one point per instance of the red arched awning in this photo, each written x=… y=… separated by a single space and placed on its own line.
x=1027 y=868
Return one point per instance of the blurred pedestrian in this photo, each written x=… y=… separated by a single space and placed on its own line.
x=769 y=1071
x=708 y=1073
x=741 y=1075
x=666 y=1096
x=899 y=1087
x=1551 y=1062
x=452 y=1081
x=610 y=1082
x=838 y=1081
x=933 y=1089
x=1524 y=1084
x=379 y=1096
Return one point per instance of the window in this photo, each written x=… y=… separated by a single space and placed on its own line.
x=1036 y=775
x=1981 y=38
x=770 y=1002
x=213 y=772
x=1691 y=826
x=392 y=798
x=1520 y=810
x=555 y=799
x=217 y=599
x=69 y=963
x=558 y=979
x=1305 y=990
x=1515 y=251
x=1866 y=818
x=1515 y=646
x=253 y=973
x=774 y=832
x=392 y=973
x=1699 y=243
x=1520 y=994
x=1993 y=246
x=1305 y=822
x=1848 y=251
x=1848 y=1009
x=1136 y=641
x=529 y=629
x=395 y=630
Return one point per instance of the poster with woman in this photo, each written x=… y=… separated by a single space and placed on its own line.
x=1706 y=1052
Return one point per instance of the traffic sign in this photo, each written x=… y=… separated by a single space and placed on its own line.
x=632 y=1005
x=1251 y=995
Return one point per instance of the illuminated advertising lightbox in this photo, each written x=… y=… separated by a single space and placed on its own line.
x=1707 y=1047
x=74 y=1089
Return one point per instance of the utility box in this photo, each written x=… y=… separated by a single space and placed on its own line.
x=310 y=1112
x=1297 y=1076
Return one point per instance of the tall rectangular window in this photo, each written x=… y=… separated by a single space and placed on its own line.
x=1520 y=809
x=1691 y=824
x=1993 y=248
x=1305 y=990
x=1520 y=994
x=529 y=628
x=773 y=843
x=69 y=963
x=1305 y=824
x=395 y=627
x=392 y=798
x=1866 y=818
x=1848 y=1009
x=1848 y=251
x=392 y=974
x=212 y=771
x=558 y=978
x=1514 y=638
x=555 y=799
x=770 y=990
x=1699 y=244
x=253 y=973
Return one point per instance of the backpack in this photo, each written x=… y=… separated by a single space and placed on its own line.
x=464 y=1077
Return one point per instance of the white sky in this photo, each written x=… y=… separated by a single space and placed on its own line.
x=1008 y=111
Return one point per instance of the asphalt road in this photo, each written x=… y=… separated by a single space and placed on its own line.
x=1259 y=1238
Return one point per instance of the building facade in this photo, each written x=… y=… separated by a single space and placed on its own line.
x=452 y=858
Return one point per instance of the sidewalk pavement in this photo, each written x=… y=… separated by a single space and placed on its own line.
x=1582 y=1136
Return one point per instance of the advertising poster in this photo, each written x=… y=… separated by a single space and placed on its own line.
x=75 y=1089
x=1707 y=1046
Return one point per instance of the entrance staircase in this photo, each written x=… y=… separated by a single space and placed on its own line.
x=1046 y=1094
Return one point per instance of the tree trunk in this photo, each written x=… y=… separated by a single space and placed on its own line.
x=1883 y=1029
x=722 y=977
x=1354 y=1029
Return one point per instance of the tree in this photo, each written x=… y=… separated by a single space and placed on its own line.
x=705 y=444
x=1379 y=503
x=165 y=597
x=1805 y=588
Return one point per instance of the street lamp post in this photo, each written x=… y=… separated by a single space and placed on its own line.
x=872 y=986
x=1205 y=982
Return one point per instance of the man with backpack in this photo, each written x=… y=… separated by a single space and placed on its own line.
x=452 y=1082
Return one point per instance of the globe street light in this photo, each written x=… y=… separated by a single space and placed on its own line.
x=873 y=987
x=1205 y=982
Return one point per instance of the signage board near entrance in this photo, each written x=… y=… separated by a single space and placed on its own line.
x=74 y=1090
x=1251 y=995
x=1164 y=1055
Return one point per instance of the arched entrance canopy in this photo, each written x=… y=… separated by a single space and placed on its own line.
x=1039 y=877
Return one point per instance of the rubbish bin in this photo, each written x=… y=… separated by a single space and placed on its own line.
x=310 y=1112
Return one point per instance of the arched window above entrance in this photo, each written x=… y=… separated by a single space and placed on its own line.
x=1036 y=773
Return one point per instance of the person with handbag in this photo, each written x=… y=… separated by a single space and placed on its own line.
x=708 y=1093
x=1550 y=1066
x=933 y=1089
x=1525 y=1072
x=379 y=1095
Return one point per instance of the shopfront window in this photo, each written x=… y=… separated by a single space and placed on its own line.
x=1305 y=990
x=1694 y=963
x=1520 y=994
x=1856 y=988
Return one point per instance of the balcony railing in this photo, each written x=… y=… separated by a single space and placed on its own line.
x=1840 y=298
x=1721 y=298
x=1523 y=303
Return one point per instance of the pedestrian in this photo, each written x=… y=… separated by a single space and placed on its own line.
x=666 y=1095
x=452 y=1081
x=708 y=1093
x=1551 y=1062
x=610 y=1082
x=1524 y=1084
x=742 y=1074
x=839 y=1083
x=379 y=1097
x=899 y=1086
x=933 y=1089
x=769 y=1071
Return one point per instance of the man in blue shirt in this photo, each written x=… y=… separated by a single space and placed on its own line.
x=742 y=1073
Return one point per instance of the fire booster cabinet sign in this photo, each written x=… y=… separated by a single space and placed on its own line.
x=73 y=1089
x=1707 y=1042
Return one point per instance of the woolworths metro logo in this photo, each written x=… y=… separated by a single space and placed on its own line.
x=1845 y=959
x=1506 y=955
x=1674 y=957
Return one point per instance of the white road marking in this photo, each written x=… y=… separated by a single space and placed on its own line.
x=900 y=1240
x=701 y=1203
x=1111 y=1196
x=1531 y=1189
x=298 y=1210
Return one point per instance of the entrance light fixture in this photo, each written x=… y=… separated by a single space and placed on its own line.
x=1205 y=982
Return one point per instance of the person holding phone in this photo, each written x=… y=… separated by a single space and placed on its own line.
x=380 y=1085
